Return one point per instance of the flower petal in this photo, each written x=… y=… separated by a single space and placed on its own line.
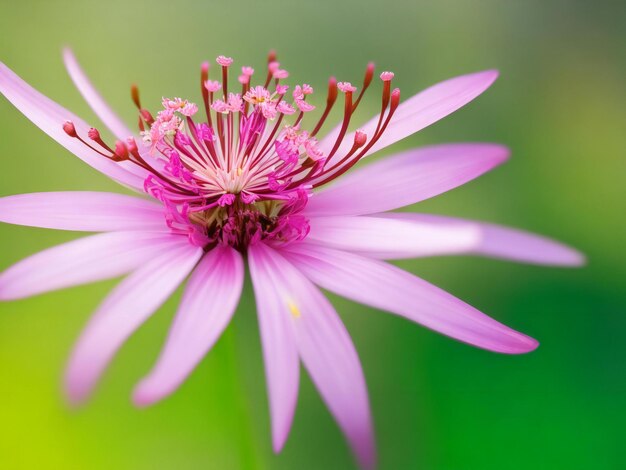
x=50 y=117
x=385 y=237
x=93 y=98
x=406 y=178
x=419 y=111
x=210 y=299
x=279 y=349
x=387 y=287
x=328 y=355
x=82 y=211
x=82 y=261
x=495 y=241
x=131 y=303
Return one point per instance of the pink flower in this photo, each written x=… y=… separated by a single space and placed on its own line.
x=211 y=194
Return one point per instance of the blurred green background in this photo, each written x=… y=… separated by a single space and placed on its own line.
x=560 y=104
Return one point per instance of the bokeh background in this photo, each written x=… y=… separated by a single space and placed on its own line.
x=560 y=104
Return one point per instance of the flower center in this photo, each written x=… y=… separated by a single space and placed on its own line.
x=244 y=173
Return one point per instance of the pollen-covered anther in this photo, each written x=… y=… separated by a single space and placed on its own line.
x=224 y=61
x=280 y=74
x=346 y=87
x=212 y=85
x=387 y=76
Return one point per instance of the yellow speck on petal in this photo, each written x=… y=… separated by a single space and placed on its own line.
x=293 y=308
x=239 y=171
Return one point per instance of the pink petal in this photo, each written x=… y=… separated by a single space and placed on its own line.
x=131 y=303
x=387 y=287
x=406 y=178
x=82 y=261
x=420 y=111
x=279 y=349
x=384 y=237
x=329 y=356
x=210 y=299
x=93 y=98
x=50 y=117
x=83 y=211
x=495 y=241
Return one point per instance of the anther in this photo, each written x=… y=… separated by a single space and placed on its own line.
x=395 y=99
x=131 y=146
x=224 y=61
x=204 y=78
x=369 y=75
x=134 y=94
x=360 y=138
x=330 y=101
x=145 y=114
x=94 y=135
x=68 y=127
x=121 y=151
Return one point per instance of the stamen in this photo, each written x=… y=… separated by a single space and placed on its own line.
x=95 y=136
x=330 y=101
x=271 y=59
x=369 y=74
x=70 y=129
x=204 y=77
x=134 y=94
x=347 y=88
x=250 y=185
x=225 y=62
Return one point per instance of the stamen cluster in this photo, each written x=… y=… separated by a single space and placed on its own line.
x=241 y=172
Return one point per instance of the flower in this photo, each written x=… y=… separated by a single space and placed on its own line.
x=248 y=184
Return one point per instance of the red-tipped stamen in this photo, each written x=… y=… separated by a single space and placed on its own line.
x=330 y=101
x=369 y=75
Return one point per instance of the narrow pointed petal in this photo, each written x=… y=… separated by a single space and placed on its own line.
x=494 y=241
x=83 y=211
x=328 y=355
x=420 y=111
x=406 y=178
x=385 y=237
x=93 y=98
x=386 y=287
x=89 y=259
x=50 y=117
x=130 y=304
x=280 y=355
x=210 y=299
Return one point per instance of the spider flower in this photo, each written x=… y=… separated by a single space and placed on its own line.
x=243 y=178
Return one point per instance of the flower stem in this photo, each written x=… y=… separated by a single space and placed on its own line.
x=242 y=415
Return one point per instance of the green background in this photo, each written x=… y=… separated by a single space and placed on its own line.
x=560 y=104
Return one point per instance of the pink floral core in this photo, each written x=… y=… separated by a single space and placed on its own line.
x=243 y=170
